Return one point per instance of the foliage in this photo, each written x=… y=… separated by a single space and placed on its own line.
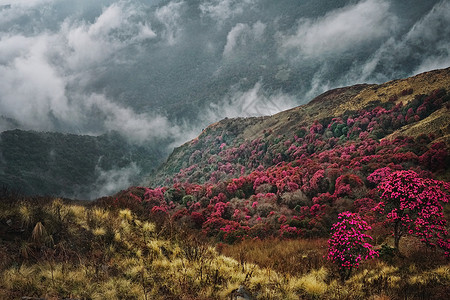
x=44 y=163
x=413 y=205
x=267 y=200
x=348 y=245
x=103 y=251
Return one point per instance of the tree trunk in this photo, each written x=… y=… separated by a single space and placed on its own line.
x=397 y=235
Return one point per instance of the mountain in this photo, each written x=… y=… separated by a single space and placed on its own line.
x=289 y=206
x=166 y=68
x=159 y=71
x=242 y=145
x=87 y=167
x=292 y=174
x=83 y=167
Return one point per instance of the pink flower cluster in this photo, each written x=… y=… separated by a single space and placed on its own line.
x=414 y=206
x=348 y=244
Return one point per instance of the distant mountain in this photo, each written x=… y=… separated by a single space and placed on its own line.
x=149 y=68
x=83 y=167
x=87 y=167
x=234 y=147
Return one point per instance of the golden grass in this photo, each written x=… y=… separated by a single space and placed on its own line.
x=437 y=123
x=137 y=264
x=288 y=256
x=423 y=83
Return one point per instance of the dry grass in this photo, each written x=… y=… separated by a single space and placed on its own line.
x=287 y=256
x=423 y=83
x=120 y=256
x=438 y=123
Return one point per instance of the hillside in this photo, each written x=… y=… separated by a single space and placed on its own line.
x=342 y=198
x=84 y=167
x=231 y=142
x=54 y=249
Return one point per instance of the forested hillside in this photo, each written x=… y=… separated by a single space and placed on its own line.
x=83 y=167
x=332 y=122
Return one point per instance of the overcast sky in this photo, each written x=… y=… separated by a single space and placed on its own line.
x=168 y=68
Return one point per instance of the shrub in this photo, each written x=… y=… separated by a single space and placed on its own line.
x=348 y=244
x=413 y=205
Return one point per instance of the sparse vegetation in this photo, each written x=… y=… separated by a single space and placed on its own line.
x=114 y=253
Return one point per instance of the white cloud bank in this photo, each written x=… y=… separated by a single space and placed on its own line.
x=250 y=103
x=37 y=69
x=222 y=10
x=240 y=34
x=340 y=30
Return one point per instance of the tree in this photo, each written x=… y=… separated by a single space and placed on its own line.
x=413 y=205
x=348 y=243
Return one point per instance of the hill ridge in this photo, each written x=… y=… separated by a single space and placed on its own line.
x=336 y=103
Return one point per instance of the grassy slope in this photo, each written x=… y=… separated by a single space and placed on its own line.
x=96 y=252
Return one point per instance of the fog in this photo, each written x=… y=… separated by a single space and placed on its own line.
x=158 y=69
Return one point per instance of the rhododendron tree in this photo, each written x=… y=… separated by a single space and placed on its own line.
x=348 y=244
x=413 y=205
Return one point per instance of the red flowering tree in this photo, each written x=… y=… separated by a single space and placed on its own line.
x=348 y=244
x=413 y=205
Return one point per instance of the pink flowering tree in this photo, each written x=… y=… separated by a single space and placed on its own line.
x=348 y=244
x=413 y=205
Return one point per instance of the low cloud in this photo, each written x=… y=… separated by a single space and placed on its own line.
x=432 y=30
x=340 y=30
x=31 y=89
x=114 y=180
x=137 y=127
x=222 y=10
x=170 y=16
x=114 y=30
x=43 y=76
x=254 y=102
x=413 y=48
x=241 y=34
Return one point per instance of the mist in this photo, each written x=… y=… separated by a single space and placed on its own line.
x=153 y=70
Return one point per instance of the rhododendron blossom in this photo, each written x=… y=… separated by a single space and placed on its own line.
x=414 y=206
x=348 y=244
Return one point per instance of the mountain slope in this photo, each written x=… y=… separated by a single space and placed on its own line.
x=269 y=133
x=86 y=167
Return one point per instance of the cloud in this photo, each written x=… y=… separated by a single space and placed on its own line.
x=112 y=181
x=31 y=89
x=222 y=10
x=170 y=16
x=433 y=29
x=423 y=47
x=43 y=76
x=434 y=62
x=138 y=127
x=254 y=102
x=240 y=34
x=24 y=3
x=113 y=30
x=340 y=30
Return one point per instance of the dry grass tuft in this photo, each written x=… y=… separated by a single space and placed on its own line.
x=121 y=256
